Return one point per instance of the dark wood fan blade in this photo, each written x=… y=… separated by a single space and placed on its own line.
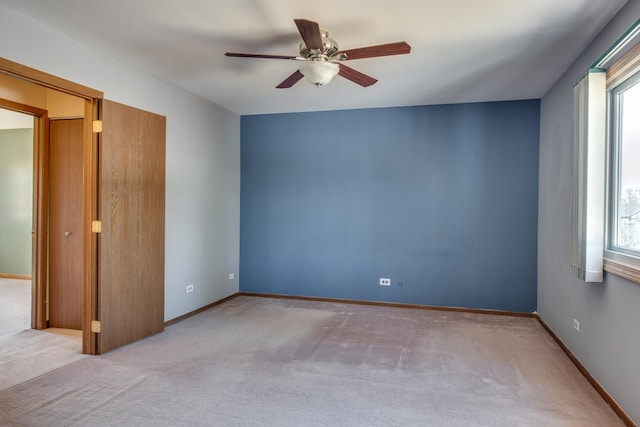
x=257 y=55
x=356 y=76
x=398 y=48
x=310 y=32
x=291 y=80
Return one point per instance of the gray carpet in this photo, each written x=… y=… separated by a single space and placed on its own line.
x=26 y=353
x=15 y=306
x=258 y=361
x=29 y=354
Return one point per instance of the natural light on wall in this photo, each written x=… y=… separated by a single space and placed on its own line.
x=589 y=174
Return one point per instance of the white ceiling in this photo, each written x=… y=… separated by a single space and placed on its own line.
x=462 y=50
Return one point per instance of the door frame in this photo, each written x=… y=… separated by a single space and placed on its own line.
x=92 y=99
x=40 y=250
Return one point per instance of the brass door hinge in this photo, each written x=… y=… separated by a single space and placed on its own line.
x=97 y=126
x=95 y=326
x=96 y=227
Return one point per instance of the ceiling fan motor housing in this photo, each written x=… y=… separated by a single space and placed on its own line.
x=329 y=47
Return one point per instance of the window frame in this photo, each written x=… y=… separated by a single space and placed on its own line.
x=618 y=260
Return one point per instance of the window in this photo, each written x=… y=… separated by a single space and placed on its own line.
x=624 y=180
x=607 y=135
x=622 y=249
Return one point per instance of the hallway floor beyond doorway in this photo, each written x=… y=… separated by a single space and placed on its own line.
x=15 y=306
x=26 y=353
x=31 y=353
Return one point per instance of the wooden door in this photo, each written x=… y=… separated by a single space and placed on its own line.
x=65 y=223
x=131 y=188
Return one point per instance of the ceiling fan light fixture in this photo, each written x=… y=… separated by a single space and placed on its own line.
x=319 y=72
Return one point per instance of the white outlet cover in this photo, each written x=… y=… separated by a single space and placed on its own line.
x=232 y=276
x=385 y=282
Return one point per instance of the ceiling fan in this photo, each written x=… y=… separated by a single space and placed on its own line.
x=322 y=59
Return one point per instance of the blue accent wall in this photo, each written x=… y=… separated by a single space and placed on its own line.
x=442 y=200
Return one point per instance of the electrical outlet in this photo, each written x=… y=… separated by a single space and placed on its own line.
x=232 y=276
x=189 y=288
x=400 y=284
x=385 y=282
x=576 y=325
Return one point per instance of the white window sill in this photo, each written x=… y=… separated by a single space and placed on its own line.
x=622 y=269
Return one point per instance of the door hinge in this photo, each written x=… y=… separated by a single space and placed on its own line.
x=95 y=326
x=97 y=126
x=96 y=227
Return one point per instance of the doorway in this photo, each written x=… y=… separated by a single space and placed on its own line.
x=55 y=159
x=16 y=209
x=43 y=103
x=122 y=233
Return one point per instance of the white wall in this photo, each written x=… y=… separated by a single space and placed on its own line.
x=203 y=157
x=608 y=343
